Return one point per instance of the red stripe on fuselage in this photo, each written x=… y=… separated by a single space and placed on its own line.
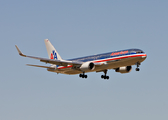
x=65 y=67
x=122 y=57
x=109 y=59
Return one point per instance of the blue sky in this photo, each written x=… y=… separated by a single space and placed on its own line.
x=79 y=28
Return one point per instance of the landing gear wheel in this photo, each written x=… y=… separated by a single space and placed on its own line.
x=85 y=76
x=82 y=75
x=138 y=64
x=137 y=69
x=104 y=76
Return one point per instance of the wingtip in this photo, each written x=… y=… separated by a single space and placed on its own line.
x=20 y=53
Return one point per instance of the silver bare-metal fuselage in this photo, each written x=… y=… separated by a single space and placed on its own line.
x=110 y=62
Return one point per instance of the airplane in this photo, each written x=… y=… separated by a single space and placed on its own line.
x=121 y=61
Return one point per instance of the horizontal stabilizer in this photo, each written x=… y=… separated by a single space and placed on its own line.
x=41 y=66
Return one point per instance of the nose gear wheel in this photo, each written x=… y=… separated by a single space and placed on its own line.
x=138 y=64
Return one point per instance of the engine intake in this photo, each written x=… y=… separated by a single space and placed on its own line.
x=125 y=69
x=87 y=66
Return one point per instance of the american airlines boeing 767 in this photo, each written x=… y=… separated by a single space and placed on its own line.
x=121 y=61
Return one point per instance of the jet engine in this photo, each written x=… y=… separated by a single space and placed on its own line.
x=87 y=66
x=125 y=69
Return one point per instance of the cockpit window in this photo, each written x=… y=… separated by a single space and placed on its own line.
x=139 y=52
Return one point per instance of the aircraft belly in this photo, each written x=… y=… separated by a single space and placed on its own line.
x=124 y=62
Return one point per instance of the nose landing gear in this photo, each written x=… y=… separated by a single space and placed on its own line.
x=138 y=64
x=137 y=69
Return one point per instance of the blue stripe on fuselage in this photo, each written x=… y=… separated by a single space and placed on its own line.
x=107 y=55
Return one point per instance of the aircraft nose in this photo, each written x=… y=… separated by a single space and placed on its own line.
x=144 y=56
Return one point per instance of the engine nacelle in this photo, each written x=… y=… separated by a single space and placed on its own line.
x=87 y=66
x=125 y=69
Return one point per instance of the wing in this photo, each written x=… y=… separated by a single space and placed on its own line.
x=51 y=61
x=55 y=62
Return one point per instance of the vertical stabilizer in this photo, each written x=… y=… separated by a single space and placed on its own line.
x=52 y=53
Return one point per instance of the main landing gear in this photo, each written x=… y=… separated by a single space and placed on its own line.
x=138 y=64
x=104 y=76
x=83 y=75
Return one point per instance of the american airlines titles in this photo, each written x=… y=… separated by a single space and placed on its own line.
x=119 y=53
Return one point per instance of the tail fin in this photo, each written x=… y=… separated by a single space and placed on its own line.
x=52 y=53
